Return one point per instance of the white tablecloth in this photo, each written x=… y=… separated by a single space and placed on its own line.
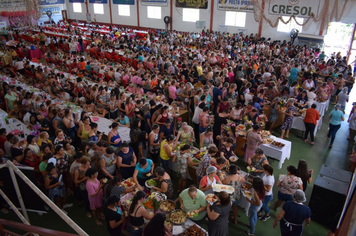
x=103 y=127
x=298 y=123
x=14 y=124
x=278 y=153
x=322 y=107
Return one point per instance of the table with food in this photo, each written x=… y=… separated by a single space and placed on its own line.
x=279 y=149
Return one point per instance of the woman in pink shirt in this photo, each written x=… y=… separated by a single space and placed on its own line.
x=173 y=90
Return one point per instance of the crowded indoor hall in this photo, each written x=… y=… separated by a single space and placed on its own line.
x=195 y=118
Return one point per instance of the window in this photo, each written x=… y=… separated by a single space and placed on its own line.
x=124 y=10
x=190 y=15
x=154 y=12
x=77 y=7
x=234 y=18
x=98 y=8
x=291 y=25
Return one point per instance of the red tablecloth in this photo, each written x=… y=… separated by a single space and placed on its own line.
x=36 y=54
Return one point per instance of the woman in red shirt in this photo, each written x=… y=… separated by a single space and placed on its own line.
x=311 y=118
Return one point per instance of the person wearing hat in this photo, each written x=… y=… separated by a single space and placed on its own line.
x=209 y=179
x=292 y=215
x=335 y=118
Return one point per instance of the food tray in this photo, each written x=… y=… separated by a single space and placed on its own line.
x=149 y=186
x=222 y=187
x=183 y=219
x=195 y=228
x=167 y=211
x=274 y=144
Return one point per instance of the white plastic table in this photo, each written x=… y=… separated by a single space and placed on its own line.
x=278 y=153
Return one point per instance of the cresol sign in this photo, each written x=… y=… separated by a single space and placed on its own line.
x=299 y=8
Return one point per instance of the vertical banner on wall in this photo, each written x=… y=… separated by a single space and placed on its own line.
x=124 y=2
x=162 y=3
x=201 y=4
x=81 y=1
x=299 y=8
x=235 y=5
x=89 y=17
x=51 y=2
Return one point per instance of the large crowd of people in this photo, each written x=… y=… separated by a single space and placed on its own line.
x=140 y=82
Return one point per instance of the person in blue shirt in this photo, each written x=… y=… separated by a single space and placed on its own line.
x=143 y=171
x=217 y=96
x=166 y=129
x=123 y=120
x=293 y=74
x=335 y=117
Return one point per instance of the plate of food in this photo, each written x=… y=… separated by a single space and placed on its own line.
x=233 y=158
x=195 y=230
x=265 y=133
x=168 y=224
x=178 y=217
x=193 y=213
x=240 y=127
x=150 y=183
x=211 y=198
x=252 y=169
x=128 y=183
x=167 y=206
x=246 y=186
x=195 y=160
x=222 y=175
x=267 y=140
x=278 y=144
x=194 y=151
x=247 y=194
x=222 y=187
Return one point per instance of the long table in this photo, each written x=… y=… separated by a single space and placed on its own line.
x=322 y=107
x=280 y=154
x=298 y=123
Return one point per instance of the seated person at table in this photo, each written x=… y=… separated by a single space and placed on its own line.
x=257 y=161
x=101 y=111
x=143 y=171
x=123 y=120
x=164 y=182
x=166 y=129
x=209 y=179
x=302 y=100
x=192 y=199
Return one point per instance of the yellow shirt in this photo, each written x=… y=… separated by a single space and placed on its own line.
x=164 y=154
x=200 y=70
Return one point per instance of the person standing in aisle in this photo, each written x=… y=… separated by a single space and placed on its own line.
x=335 y=117
x=292 y=215
x=310 y=121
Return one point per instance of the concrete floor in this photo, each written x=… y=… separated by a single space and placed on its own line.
x=315 y=155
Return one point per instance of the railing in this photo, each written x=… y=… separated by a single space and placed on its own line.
x=24 y=217
x=32 y=229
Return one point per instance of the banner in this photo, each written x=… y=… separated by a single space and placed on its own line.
x=56 y=10
x=81 y=1
x=11 y=4
x=163 y=3
x=99 y=1
x=235 y=5
x=201 y=4
x=51 y=2
x=299 y=8
x=124 y=2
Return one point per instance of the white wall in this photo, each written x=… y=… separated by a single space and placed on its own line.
x=178 y=24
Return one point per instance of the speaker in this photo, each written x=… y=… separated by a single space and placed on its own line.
x=327 y=198
x=338 y=174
